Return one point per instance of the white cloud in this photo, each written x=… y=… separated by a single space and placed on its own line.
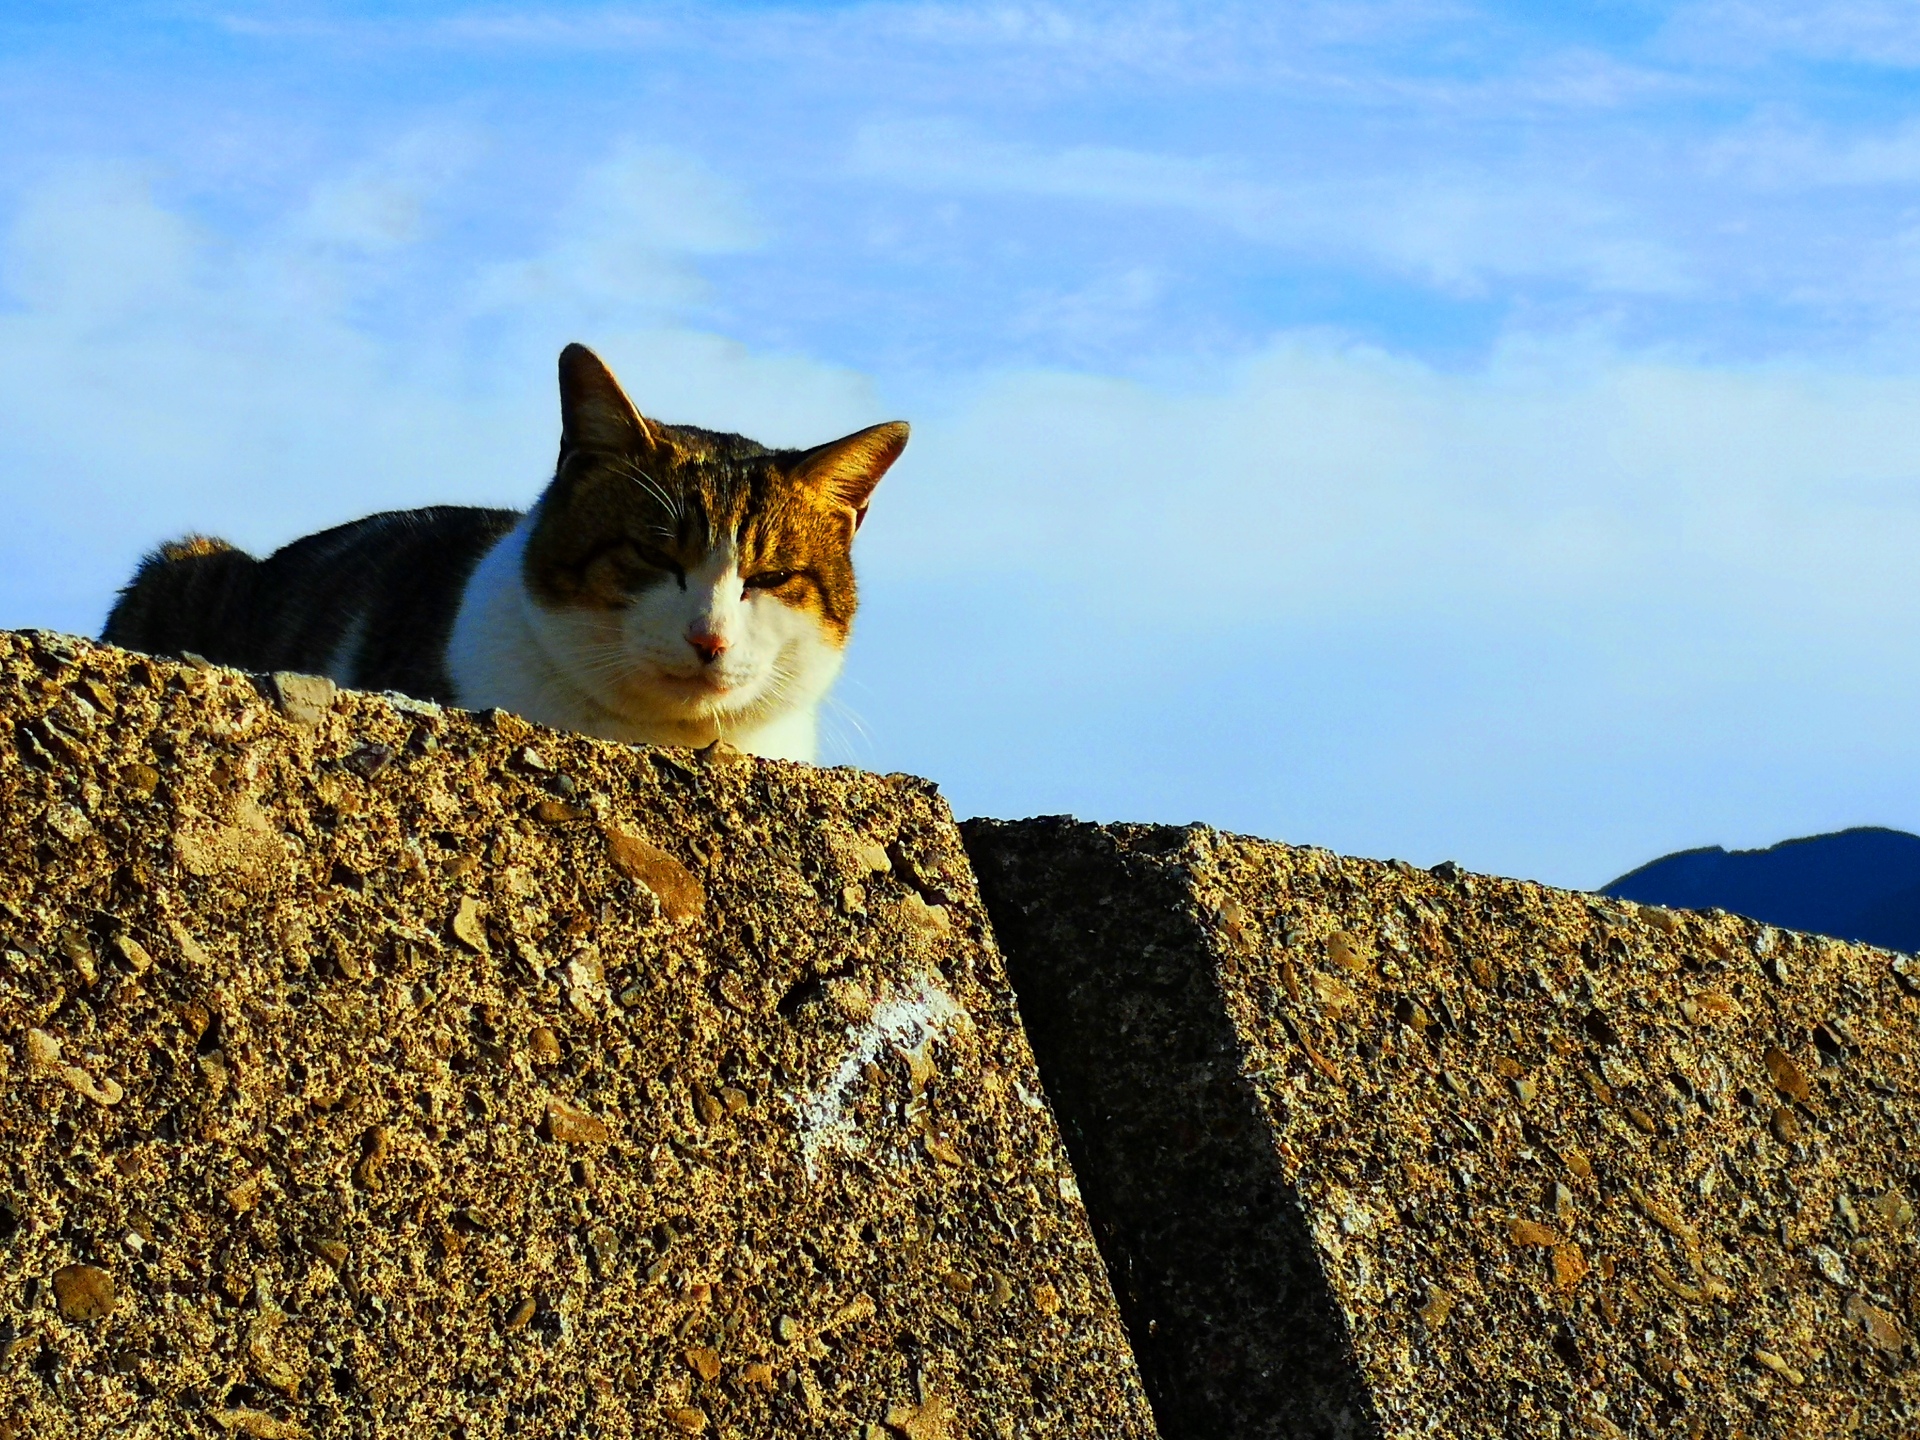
x=1018 y=43
x=1318 y=482
x=88 y=242
x=169 y=381
x=1452 y=226
x=1321 y=591
x=1552 y=617
x=620 y=270
x=944 y=155
x=1108 y=306
x=156 y=377
x=1778 y=151
x=637 y=221
x=1873 y=32
x=380 y=204
x=1552 y=612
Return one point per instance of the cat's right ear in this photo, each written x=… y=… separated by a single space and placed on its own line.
x=595 y=413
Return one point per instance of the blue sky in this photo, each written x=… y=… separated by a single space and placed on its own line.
x=1425 y=429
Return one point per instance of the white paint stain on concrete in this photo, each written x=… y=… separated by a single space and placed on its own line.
x=907 y=1020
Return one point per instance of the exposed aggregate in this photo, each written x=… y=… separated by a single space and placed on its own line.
x=1565 y=1165
x=374 y=1070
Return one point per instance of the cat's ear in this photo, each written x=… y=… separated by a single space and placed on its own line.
x=844 y=471
x=595 y=413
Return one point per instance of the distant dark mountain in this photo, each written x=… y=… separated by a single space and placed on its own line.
x=1853 y=885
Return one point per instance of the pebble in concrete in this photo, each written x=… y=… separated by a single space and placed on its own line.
x=1378 y=1150
x=375 y=1070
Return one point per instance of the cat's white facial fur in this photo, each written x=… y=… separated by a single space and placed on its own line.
x=638 y=674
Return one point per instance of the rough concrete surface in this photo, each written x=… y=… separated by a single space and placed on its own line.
x=1377 y=1150
x=372 y=1070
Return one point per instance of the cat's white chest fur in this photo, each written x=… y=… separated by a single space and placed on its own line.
x=632 y=674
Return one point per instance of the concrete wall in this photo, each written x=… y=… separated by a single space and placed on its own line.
x=376 y=1071
x=1538 y=1163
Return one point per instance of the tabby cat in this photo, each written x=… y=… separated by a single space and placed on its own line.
x=673 y=586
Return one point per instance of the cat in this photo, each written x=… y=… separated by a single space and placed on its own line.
x=672 y=586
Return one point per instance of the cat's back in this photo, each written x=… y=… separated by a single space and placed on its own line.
x=370 y=603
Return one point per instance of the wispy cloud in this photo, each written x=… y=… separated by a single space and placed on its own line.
x=1112 y=307
x=626 y=238
x=156 y=376
x=1785 y=151
x=1347 y=483
x=1458 y=230
x=1868 y=32
x=946 y=155
x=1534 y=614
x=1343 y=54
x=380 y=204
x=1430 y=143
x=1421 y=427
x=1143 y=40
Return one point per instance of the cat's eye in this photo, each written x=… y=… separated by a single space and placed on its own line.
x=659 y=560
x=770 y=579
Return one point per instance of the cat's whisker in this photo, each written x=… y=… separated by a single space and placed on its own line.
x=784 y=677
x=672 y=504
x=607 y=660
x=843 y=714
x=844 y=711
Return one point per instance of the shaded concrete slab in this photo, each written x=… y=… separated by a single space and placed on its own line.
x=373 y=1070
x=1373 y=1150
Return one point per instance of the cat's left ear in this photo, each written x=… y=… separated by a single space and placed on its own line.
x=845 y=471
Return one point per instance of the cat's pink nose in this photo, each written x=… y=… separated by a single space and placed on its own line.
x=708 y=647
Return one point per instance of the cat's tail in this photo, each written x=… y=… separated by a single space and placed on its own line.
x=191 y=596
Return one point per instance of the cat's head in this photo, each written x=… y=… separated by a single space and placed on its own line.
x=694 y=579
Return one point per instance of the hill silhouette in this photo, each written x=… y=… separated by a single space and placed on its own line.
x=1861 y=884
